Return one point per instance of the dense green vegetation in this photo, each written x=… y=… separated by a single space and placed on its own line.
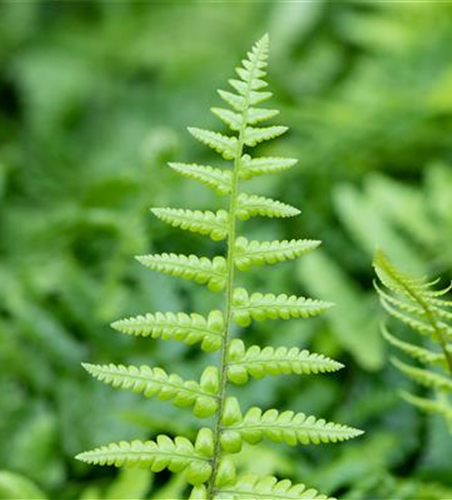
x=95 y=98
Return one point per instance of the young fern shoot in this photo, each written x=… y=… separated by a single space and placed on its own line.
x=416 y=303
x=207 y=463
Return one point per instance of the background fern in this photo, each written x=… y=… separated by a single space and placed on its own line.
x=206 y=462
x=426 y=310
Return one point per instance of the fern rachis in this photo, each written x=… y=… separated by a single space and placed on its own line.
x=207 y=462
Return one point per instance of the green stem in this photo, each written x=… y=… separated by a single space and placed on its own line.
x=228 y=316
x=228 y=305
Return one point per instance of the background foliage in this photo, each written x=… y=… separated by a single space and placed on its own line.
x=94 y=100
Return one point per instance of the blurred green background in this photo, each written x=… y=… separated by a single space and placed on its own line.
x=95 y=98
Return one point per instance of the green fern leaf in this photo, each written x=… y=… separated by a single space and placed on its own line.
x=251 y=167
x=261 y=307
x=257 y=362
x=196 y=221
x=257 y=253
x=236 y=102
x=289 y=427
x=164 y=453
x=232 y=119
x=252 y=205
x=216 y=179
x=257 y=115
x=177 y=326
x=267 y=487
x=190 y=267
x=156 y=382
x=426 y=378
x=255 y=135
x=254 y=97
x=222 y=144
x=419 y=353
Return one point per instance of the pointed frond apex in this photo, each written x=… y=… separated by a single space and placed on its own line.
x=266 y=487
x=190 y=267
x=220 y=143
x=252 y=205
x=188 y=328
x=164 y=453
x=424 y=377
x=257 y=253
x=260 y=307
x=251 y=167
x=255 y=135
x=259 y=362
x=156 y=382
x=203 y=222
x=214 y=178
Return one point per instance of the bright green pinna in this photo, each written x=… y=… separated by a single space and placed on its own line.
x=208 y=463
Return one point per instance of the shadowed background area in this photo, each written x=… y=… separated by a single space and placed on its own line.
x=95 y=98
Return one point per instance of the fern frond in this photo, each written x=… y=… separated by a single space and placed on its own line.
x=164 y=453
x=156 y=382
x=216 y=179
x=190 y=267
x=196 y=221
x=251 y=167
x=220 y=143
x=188 y=328
x=207 y=463
x=419 y=353
x=257 y=253
x=267 y=487
x=252 y=205
x=426 y=378
x=260 y=307
x=258 y=362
